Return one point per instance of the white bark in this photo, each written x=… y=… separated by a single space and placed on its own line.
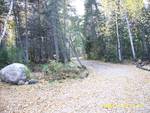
x=131 y=37
x=146 y=4
x=75 y=51
x=6 y=20
x=129 y=30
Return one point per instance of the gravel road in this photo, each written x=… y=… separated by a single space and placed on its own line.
x=110 y=88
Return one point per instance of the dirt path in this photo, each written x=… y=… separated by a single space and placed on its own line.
x=111 y=88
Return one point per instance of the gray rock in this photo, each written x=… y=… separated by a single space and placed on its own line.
x=21 y=82
x=32 y=81
x=15 y=73
x=26 y=83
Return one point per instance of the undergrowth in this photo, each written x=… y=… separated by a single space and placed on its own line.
x=57 y=70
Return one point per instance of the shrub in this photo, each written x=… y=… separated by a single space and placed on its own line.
x=10 y=55
x=52 y=67
x=28 y=73
x=57 y=70
x=3 y=57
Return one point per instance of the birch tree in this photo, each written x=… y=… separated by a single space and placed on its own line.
x=130 y=36
x=6 y=20
x=117 y=32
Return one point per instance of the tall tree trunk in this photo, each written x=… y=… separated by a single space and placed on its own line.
x=117 y=31
x=6 y=20
x=63 y=38
x=26 y=56
x=75 y=51
x=55 y=29
x=118 y=40
x=146 y=4
x=40 y=38
x=17 y=27
x=144 y=44
x=130 y=36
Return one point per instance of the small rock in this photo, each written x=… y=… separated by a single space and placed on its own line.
x=32 y=81
x=27 y=82
x=84 y=74
x=21 y=82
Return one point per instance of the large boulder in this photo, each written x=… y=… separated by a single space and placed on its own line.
x=15 y=73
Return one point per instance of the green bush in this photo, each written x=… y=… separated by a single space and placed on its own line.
x=15 y=55
x=3 y=57
x=57 y=71
x=52 y=67
x=28 y=73
x=10 y=55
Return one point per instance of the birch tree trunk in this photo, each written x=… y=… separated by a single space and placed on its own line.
x=131 y=37
x=118 y=40
x=75 y=51
x=6 y=20
x=146 y=4
x=117 y=31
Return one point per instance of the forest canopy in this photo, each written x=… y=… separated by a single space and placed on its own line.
x=40 y=30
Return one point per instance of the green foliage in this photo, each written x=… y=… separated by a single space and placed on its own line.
x=111 y=56
x=3 y=57
x=134 y=7
x=52 y=67
x=14 y=55
x=1 y=7
x=28 y=73
x=110 y=15
x=45 y=68
x=10 y=55
x=58 y=71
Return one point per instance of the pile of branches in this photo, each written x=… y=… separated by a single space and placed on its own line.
x=144 y=65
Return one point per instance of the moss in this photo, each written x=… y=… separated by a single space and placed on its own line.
x=28 y=73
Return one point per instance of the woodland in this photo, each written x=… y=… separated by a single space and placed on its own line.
x=88 y=56
x=35 y=31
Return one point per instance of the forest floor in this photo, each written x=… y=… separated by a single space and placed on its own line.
x=110 y=88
